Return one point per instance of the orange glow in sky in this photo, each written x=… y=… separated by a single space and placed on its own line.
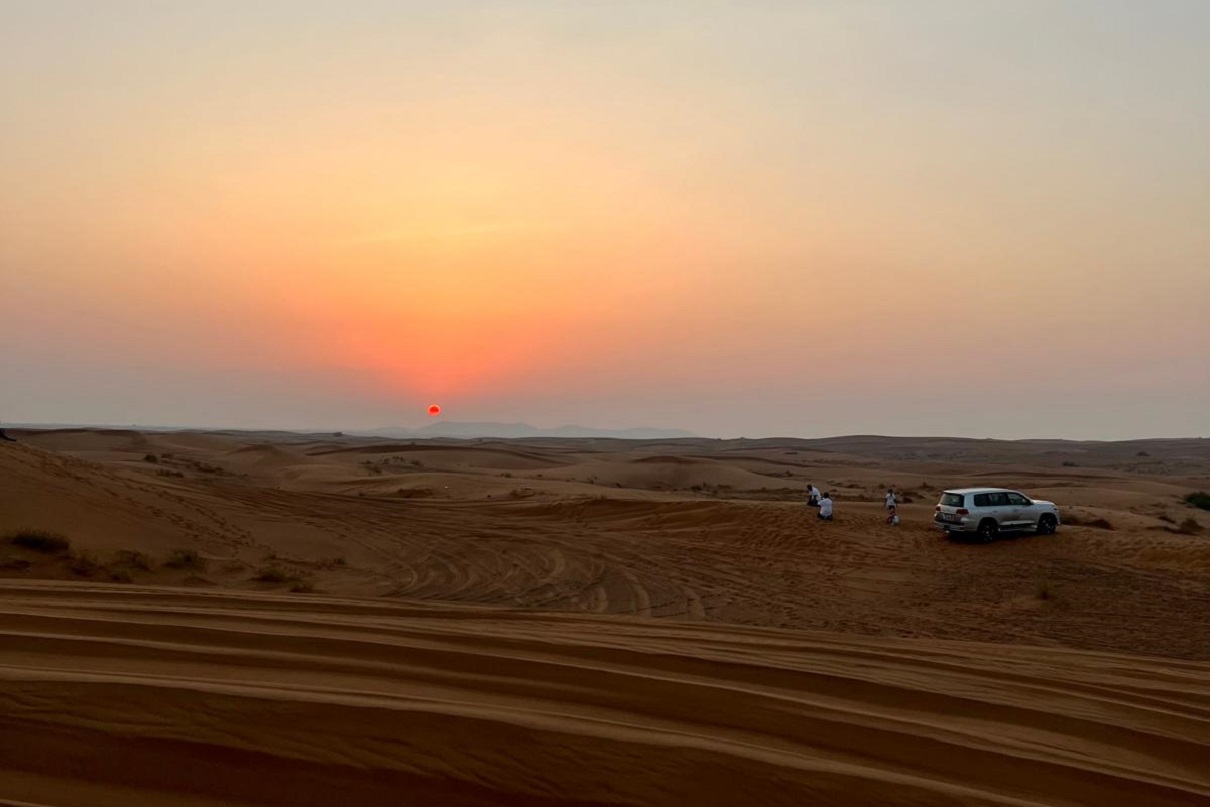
x=609 y=214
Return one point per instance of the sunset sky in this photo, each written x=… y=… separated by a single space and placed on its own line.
x=986 y=219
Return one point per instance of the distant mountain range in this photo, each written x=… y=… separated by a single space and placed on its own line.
x=448 y=428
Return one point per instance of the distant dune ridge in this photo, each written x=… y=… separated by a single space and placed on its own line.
x=449 y=428
x=276 y=618
x=441 y=428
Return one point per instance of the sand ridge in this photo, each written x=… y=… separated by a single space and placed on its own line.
x=490 y=705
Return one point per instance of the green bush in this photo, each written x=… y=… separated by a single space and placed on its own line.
x=1201 y=500
x=40 y=541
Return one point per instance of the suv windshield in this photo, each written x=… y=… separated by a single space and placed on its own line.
x=952 y=499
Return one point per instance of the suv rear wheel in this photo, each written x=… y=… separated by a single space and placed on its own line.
x=988 y=530
x=1047 y=524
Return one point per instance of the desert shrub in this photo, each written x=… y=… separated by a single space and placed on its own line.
x=274 y=574
x=150 y=458
x=341 y=561
x=1070 y=464
x=1142 y=454
x=1044 y=591
x=1200 y=500
x=185 y=559
x=1189 y=526
x=120 y=576
x=170 y=473
x=1166 y=518
x=40 y=540
x=11 y=563
x=133 y=559
x=83 y=564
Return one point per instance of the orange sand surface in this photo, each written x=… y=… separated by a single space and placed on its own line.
x=277 y=619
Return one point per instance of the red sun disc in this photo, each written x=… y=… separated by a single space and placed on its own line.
x=434 y=410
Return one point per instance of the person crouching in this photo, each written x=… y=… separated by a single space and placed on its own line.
x=825 y=507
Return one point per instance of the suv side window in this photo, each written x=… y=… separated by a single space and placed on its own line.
x=997 y=499
x=982 y=500
x=1017 y=499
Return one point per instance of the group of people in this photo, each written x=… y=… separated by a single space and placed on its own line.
x=823 y=501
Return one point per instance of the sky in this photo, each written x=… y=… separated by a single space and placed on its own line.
x=983 y=219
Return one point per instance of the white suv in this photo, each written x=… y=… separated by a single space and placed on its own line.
x=986 y=512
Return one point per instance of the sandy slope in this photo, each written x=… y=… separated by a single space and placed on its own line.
x=503 y=648
x=577 y=546
x=238 y=698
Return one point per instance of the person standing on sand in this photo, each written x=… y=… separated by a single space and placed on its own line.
x=825 y=508
x=892 y=508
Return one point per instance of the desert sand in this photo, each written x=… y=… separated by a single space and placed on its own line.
x=273 y=619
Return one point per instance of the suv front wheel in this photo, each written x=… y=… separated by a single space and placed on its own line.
x=1047 y=525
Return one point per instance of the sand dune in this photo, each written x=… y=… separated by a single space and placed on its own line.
x=593 y=621
x=343 y=701
x=478 y=536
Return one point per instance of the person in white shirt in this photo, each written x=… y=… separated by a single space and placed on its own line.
x=890 y=499
x=812 y=496
x=892 y=510
x=825 y=507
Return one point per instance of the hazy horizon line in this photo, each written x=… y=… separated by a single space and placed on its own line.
x=365 y=431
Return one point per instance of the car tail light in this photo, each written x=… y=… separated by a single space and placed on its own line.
x=938 y=508
x=962 y=511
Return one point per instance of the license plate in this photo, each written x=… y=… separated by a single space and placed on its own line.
x=948 y=517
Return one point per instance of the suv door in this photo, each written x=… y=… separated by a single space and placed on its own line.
x=1021 y=511
x=990 y=505
x=998 y=505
